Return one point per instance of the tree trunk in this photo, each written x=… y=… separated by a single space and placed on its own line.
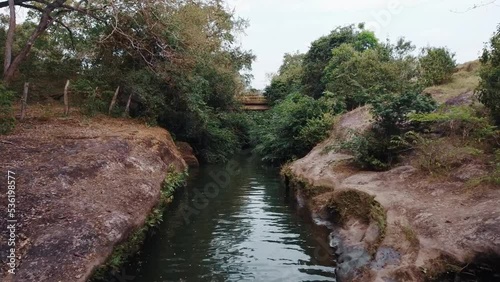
x=113 y=101
x=45 y=21
x=66 y=99
x=9 y=41
x=24 y=100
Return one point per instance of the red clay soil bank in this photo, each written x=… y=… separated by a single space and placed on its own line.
x=82 y=186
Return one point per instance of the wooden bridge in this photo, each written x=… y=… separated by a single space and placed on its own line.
x=254 y=102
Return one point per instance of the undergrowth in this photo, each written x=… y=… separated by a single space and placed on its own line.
x=7 y=121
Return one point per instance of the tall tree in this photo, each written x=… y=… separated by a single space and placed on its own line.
x=10 y=36
x=49 y=12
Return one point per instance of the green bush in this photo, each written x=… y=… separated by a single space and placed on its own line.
x=489 y=87
x=463 y=121
x=380 y=147
x=292 y=128
x=369 y=150
x=93 y=101
x=7 y=121
x=391 y=112
x=356 y=77
x=436 y=65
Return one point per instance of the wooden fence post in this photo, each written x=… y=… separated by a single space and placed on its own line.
x=113 y=101
x=127 y=108
x=24 y=100
x=66 y=100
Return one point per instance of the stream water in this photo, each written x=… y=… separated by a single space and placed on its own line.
x=235 y=223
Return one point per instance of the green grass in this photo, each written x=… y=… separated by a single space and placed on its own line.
x=464 y=80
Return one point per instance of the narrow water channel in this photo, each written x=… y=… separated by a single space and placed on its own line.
x=235 y=223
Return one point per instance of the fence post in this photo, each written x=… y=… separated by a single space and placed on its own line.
x=24 y=100
x=127 y=108
x=66 y=99
x=113 y=101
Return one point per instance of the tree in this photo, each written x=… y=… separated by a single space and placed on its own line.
x=353 y=78
x=10 y=36
x=437 y=65
x=320 y=53
x=288 y=79
x=50 y=12
x=489 y=87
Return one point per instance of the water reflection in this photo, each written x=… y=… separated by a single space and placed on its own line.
x=249 y=231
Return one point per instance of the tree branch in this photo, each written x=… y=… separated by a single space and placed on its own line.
x=476 y=6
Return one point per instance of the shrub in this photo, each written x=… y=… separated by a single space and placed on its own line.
x=93 y=101
x=391 y=112
x=441 y=156
x=277 y=91
x=463 y=121
x=489 y=87
x=436 y=65
x=379 y=147
x=369 y=150
x=292 y=128
x=7 y=121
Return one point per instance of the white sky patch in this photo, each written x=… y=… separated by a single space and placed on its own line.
x=284 y=26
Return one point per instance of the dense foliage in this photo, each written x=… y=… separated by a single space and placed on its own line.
x=489 y=88
x=292 y=128
x=342 y=71
x=357 y=77
x=287 y=80
x=6 y=117
x=320 y=53
x=391 y=111
x=179 y=60
x=437 y=65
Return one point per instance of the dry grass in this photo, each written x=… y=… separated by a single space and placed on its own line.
x=410 y=236
x=465 y=79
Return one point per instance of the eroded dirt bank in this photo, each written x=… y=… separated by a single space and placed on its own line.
x=82 y=186
x=399 y=225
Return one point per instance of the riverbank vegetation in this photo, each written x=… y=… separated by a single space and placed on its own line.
x=351 y=68
x=179 y=61
x=183 y=69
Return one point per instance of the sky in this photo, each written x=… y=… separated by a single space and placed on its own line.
x=285 y=26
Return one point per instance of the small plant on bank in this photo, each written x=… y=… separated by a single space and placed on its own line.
x=391 y=112
x=379 y=148
x=7 y=121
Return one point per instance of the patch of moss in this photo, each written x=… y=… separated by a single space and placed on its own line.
x=350 y=204
x=296 y=183
x=173 y=180
x=343 y=205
